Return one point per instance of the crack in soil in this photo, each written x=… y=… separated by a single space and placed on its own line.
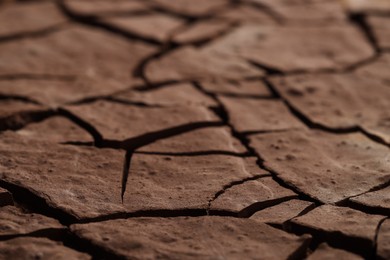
x=126 y=171
x=232 y=184
x=249 y=133
x=198 y=153
x=258 y=206
x=139 y=70
x=73 y=241
x=302 y=195
x=347 y=202
x=312 y=125
x=33 y=34
x=202 y=42
x=360 y=20
x=357 y=245
x=97 y=137
x=56 y=234
x=155 y=86
x=246 y=96
x=132 y=103
x=27 y=199
x=303 y=212
x=275 y=16
x=335 y=238
x=52 y=77
x=21 y=119
x=50 y=233
x=188 y=17
x=19 y=98
x=378 y=228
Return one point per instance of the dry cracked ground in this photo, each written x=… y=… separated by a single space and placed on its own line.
x=183 y=129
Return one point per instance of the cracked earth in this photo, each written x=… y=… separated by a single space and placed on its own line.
x=182 y=129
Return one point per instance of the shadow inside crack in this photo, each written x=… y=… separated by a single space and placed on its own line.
x=369 y=209
x=232 y=184
x=358 y=245
x=360 y=20
x=51 y=233
x=19 y=98
x=36 y=204
x=155 y=85
x=258 y=206
x=197 y=153
x=133 y=143
x=48 y=77
x=19 y=120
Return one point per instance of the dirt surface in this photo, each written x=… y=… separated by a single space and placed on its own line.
x=182 y=129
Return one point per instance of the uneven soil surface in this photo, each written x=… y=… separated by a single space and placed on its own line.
x=195 y=129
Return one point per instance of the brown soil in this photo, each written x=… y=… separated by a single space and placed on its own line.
x=182 y=129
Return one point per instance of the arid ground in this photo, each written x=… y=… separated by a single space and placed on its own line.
x=195 y=129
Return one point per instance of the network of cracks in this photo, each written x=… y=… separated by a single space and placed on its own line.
x=255 y=129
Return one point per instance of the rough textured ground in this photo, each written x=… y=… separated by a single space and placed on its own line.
x=183 y=129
